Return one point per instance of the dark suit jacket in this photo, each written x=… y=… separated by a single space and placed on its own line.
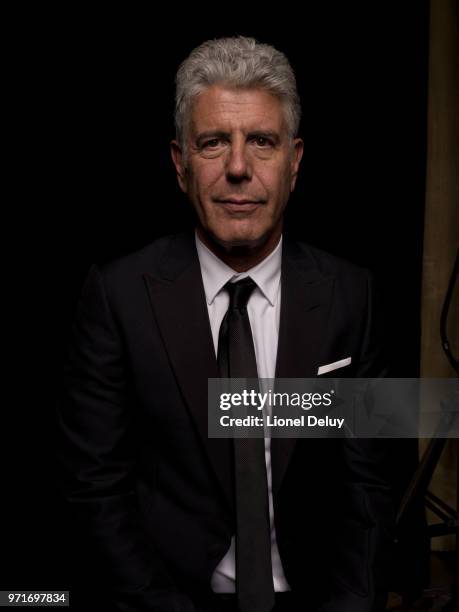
x=155 y=492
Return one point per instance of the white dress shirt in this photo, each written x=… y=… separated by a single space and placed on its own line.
x=263 y=309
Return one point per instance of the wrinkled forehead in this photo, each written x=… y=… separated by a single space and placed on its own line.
x=229 y=109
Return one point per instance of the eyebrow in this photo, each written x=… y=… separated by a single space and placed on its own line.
x=211 y=134
x=222 y=134
x=265 y=134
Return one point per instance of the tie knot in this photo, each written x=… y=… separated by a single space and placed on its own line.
x=240 y=292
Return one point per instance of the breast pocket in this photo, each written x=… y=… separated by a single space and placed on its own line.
x=336 y=369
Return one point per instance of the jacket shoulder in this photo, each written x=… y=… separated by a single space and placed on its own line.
x=146 y=259
x=330 y=265
x=123 y=277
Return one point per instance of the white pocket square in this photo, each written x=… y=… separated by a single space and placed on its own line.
x=334 y=366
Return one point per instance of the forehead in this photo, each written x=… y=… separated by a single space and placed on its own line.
x=224 y=108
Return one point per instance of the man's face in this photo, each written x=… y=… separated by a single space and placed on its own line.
x=240 y=166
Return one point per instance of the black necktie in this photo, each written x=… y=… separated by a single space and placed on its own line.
x=236 y=359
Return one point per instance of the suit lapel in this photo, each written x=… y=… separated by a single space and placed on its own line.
x=306 y=296
x=177 y=296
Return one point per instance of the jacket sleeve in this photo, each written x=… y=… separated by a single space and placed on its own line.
x=97 y=459
x=368 y=518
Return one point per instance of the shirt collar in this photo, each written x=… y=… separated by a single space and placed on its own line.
x=216 y=273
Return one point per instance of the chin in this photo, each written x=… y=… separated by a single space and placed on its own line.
x=230 y=240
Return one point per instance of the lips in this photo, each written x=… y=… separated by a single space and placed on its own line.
x=239 y=207
x=237 y=201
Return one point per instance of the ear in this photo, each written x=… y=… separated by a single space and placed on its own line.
x=178 y=159
x=297 y=154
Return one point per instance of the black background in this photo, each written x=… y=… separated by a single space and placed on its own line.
x=362 y=78
x=100 y=94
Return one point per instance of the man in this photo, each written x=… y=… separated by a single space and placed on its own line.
x=184 y=522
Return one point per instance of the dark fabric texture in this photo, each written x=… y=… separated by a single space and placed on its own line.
x=155 y=494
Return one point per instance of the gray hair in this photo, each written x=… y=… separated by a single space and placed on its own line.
x=237 y=62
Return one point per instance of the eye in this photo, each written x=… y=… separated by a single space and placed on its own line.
x=212 y=143
x=261 y=141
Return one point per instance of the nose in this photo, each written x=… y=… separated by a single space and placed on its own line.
x=238 y=165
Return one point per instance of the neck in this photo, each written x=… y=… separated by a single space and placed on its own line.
x=241 y=257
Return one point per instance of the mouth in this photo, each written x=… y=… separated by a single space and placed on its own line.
x=236 y=205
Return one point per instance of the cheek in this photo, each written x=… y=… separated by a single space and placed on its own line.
x=205 y=176
x=276 y=183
